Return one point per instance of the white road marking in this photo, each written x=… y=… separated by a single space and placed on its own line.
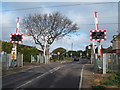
x=55 y=69
x=50 y=71
x=80 y=84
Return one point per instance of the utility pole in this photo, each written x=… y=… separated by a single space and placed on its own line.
x=72 y=46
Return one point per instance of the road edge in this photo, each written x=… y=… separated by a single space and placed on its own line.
x=81 y=79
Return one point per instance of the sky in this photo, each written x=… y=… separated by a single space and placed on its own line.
x=82 y=15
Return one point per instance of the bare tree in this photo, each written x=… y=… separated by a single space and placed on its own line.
x=48 y=27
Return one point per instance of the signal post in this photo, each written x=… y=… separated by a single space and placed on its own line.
x=98 y=35
x=15 y=38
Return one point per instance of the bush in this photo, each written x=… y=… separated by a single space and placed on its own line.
x=27 y=51
x=114 y=79
x=98 y=87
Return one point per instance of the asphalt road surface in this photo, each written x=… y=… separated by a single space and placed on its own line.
x=48 y=76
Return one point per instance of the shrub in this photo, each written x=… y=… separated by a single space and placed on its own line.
x=113 y=79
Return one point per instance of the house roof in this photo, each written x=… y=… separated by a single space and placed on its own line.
x=116 y=37
x=109 y=50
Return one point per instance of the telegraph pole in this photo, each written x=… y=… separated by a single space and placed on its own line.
x=72 y=46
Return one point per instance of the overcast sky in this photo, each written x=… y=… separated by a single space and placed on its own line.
x=80 y=14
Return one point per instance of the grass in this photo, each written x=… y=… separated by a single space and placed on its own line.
x=113 y=79
x=98 y=87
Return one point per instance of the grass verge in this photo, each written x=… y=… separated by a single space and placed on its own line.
x=112 y=80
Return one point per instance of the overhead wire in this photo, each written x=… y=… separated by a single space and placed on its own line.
x=84 y=24
x=66 y=5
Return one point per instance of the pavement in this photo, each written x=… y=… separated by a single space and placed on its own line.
x=88 y=76
x=93 y=78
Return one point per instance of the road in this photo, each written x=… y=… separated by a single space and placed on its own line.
x=48 y=76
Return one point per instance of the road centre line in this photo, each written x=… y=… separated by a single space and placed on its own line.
x=81 y=78
x=50 y=71
x=55 y=69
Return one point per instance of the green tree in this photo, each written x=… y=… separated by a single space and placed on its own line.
x=61 y=56
x=72 y=53
x=61 y=50
x=7 y=47
x=27 y=51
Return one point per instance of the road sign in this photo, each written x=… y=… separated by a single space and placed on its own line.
x=13 y=56
x=109 y=60
x=16 y=38
x=98 y=35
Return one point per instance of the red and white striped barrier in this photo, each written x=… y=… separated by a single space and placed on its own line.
x=96 y=21
x=20 y=35
x=96 y=36
x=100 y=52
x=18 y=21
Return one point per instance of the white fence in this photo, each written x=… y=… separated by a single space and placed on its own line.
x=8 y=63
x=108 y=62
x=112 y=62
x=41 y=59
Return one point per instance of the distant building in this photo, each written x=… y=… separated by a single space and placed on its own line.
x=109 y=50
x=116 y=43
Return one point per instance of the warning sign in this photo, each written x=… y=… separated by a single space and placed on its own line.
x=13 y=56
x=98 y=35
x=109 y=60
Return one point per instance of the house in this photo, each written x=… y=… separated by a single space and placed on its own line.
x=116 y=43
x=109 y=50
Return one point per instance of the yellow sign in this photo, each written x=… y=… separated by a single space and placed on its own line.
x=109 y=60
x=13 y=56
